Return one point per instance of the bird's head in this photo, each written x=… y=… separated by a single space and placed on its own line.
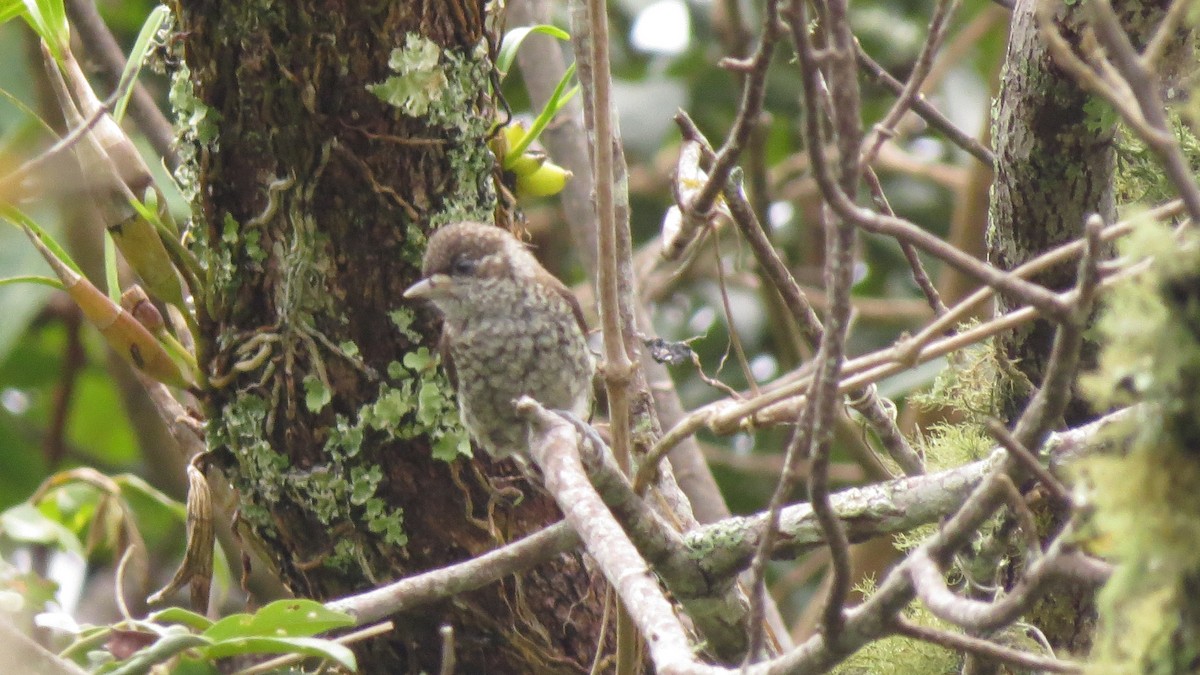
x=465 y=257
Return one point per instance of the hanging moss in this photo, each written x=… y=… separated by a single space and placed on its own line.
x=903 y=655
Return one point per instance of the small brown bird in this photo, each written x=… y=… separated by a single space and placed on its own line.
x=511 y=329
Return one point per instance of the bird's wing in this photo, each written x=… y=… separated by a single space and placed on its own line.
x=561 y=289
x=447 y=359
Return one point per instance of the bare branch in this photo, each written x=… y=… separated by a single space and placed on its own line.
x=977 y=615
x=923 y=108
x=1029 y=461
x=749 y=109
x=1143 y=83
x=911 y=90
x=477 y=572
x=554 y=446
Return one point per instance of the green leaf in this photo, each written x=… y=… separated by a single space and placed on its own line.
x=131 y=484
x=270 y=645
x=18 y=303
x=137 y=58
x=25 y=523
x=555 y=103
x=48 y=19
x=514 y=38
x=184 y=617
x=33 y=279
x=282 y=618
x=110 y=269
x=10 y=9
x=14 y=215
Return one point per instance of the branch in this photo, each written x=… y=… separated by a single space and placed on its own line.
x=978 y=615
x=713 y=602
x=1143 y=83
x=884 y=508
x=984 y=648
x=866 y=401
x=554 y=447
x=910 y=91
x=927 y=112
x=780 y=401
x=754 y=90
x=422 y=589
x=617 y=367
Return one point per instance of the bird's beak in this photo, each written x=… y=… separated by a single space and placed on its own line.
x=434 y=286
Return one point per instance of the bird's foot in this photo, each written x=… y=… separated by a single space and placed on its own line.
x=586 y=431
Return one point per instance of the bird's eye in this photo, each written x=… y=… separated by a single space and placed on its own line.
x=462 y=266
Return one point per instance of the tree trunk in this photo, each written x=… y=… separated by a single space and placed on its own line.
x=313 y=198
x=1054 y=168
x=1055 y=160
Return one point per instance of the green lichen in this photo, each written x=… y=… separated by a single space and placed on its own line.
x=435 y=84
x=420 y=401
x=403 y=319
x=1144 y=502
x=947 y=445
x=415 y=401
x=1139 y=177
x=419 y=81
x=316 y=394
x=447 y=89
x=239 y=429
x=345 y=439
x=443 y=87
x=384 y=521
x=197 y=123
x=969 y=385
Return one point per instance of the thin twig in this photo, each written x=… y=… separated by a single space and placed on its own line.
x=748 y=112
x=920 y=276
x=803 y=317
x=448 y=653
x=927 y=112
x=942 y=11
x=618 y=368
x=984 y=648
x=1029 y=461
x=839 y=278
x=479 y=571
x=780 y=403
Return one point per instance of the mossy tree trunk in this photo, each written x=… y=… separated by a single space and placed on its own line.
x=1054 y=148
x=1055 y=161
x=313 y=198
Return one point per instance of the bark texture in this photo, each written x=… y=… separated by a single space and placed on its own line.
x=1054 y=168
x=313 y=198
x=1055 y=161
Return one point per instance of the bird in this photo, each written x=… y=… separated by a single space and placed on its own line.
x=510 y=328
